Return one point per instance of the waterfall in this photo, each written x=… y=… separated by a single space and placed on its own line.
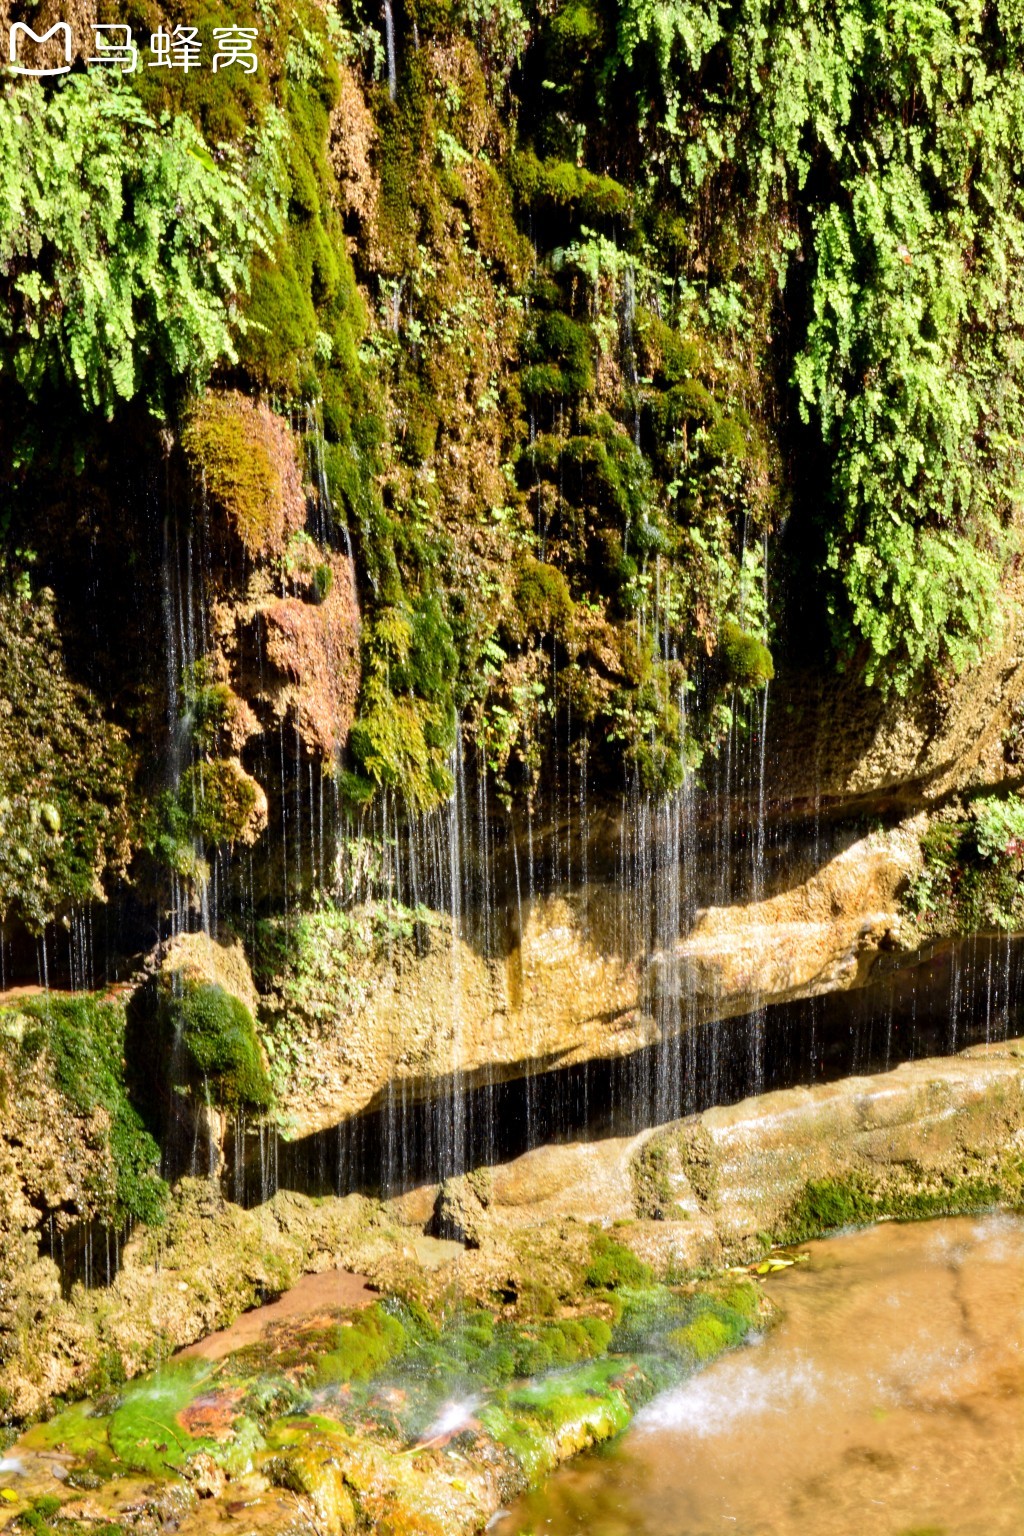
x=629 y=344
x=389 y=36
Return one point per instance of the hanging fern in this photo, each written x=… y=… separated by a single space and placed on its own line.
x=124 y=241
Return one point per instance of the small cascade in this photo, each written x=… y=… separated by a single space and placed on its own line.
x=902 y=1018
x=453 y=1161
x=389 y=39
x=186 y=639
x=81 y=951
x=326 y=521
x=628 y=344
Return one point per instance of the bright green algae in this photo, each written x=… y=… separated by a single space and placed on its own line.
x=335 y=1409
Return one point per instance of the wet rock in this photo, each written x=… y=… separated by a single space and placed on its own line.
x=221 y=963
x=306 y=668
x=928 y=1138
x=460 y=1211
x=386 y=1015
x=822 y=935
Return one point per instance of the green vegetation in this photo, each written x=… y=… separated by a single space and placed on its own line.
x=971 y=880
x=349 y=1403
x=83 y=1038
x=747 y=662
x=146 y=1431
x=405 y=729
x=856 y=1199
x=217 y=1036
x=562 y=385
x=126 y=247
x=905 y=364
x=235 y=468
x=613 y=1266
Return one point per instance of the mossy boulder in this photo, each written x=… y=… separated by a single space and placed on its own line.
x=613 y=1266
x=243 y=459
x=212 y=1039
x=225 y=803
x=558 y=353
x=542 y=603
x=746 y=660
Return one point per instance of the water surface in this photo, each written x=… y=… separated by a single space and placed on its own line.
x=889 y=1402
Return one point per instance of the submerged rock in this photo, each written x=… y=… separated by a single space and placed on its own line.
x=403 y=1417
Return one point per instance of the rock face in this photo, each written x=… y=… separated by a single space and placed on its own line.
x=310 y=661
x=55 y=1165
x=574 y=984
x=197 y=957
x=932 y=1136
x=206 y=1264
x=835 y=743
x=929 y=1137
x=822 y=935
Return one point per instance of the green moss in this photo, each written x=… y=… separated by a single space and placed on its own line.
x=146 y=1432
x=612 y=1266
x=207 y=711
x=362 y=1348
x=648 y=720
x=322 y=581
x=574 y=34
x=563 y=184
x=39 y=1517
x=405 y=727
x=303 y=314
x=84 y=1036
x=746 y=660
x=228 y=454
x=224 y=104
x=825 y=1205
x=855 y=1199
x=219 y=799
x=685 y=404
x=542 y=603
x=726 y=439
x=218 y=1036
x=703 y=1339
x=558 y=352
x=281 y=324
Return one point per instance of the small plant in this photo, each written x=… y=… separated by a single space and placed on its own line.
x=322 y=581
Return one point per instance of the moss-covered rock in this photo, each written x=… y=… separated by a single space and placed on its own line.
x=212 y=1041
x=225 y=803
x=243 y=459
x=344 y=1411
x=65 y=772
x=747 y=661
